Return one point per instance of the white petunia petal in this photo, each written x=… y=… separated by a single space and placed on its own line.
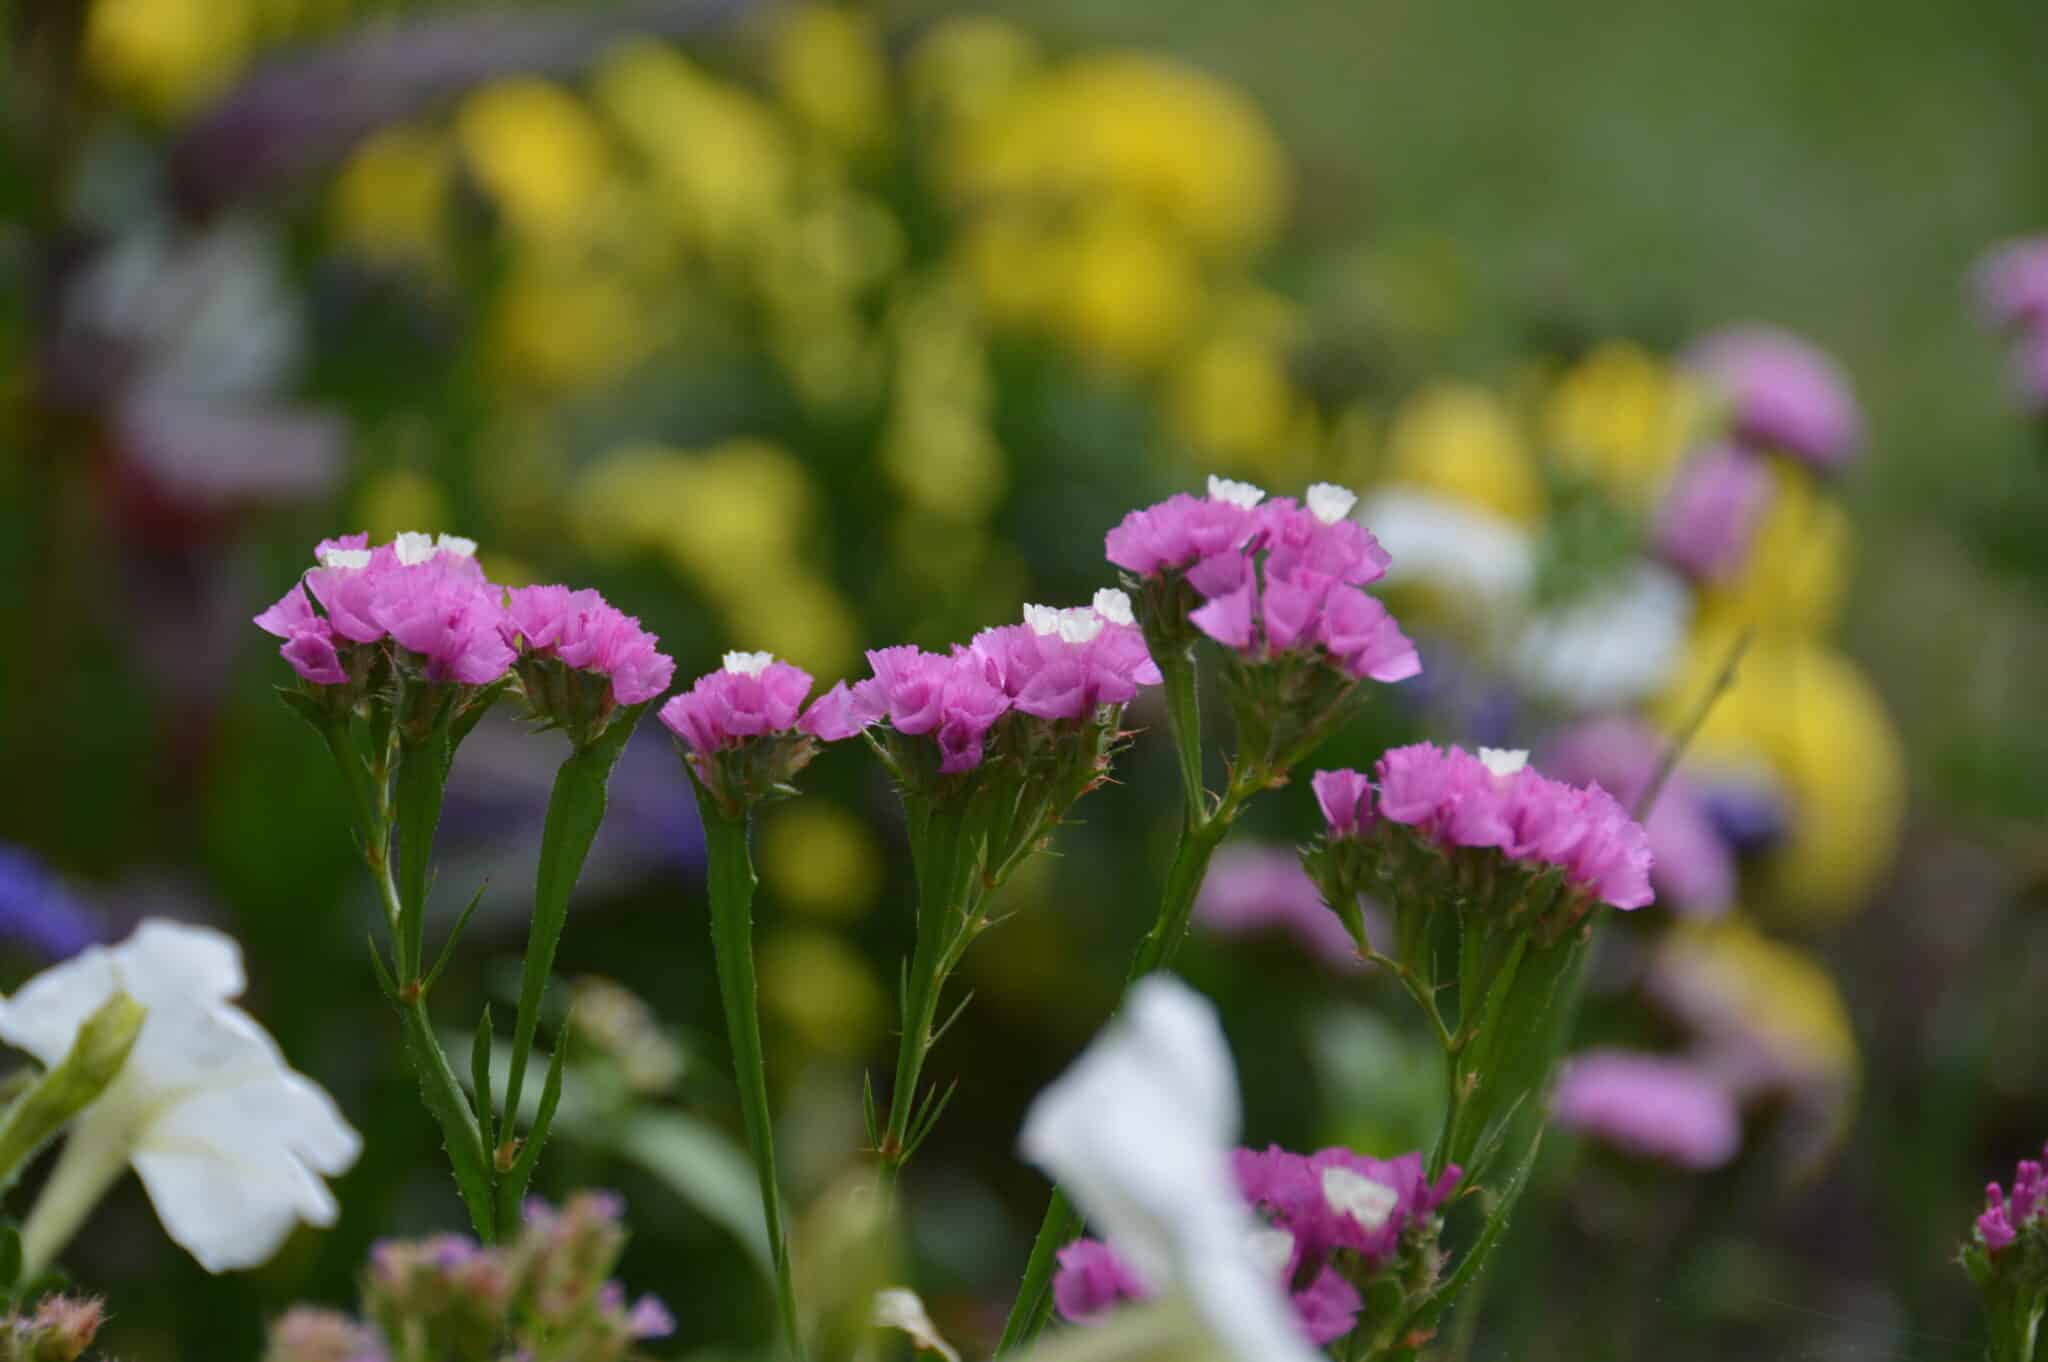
x=175 y=961
x=45 y=1013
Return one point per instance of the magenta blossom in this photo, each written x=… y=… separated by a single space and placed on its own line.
x=2004 y=1218
x=2012 y=284
x=751 y=696
x=1651 y=1106
x=1258 y=888
x=1345 y=797
x=1336 y=1199
x=1091 y=1280
x=584 y=632
x=1693 y=868
x=1183 y=531
x=1710 y=512
x=1270 y=614
x=1495 y=800
x=1065 y=664
x=1784 y=394
x=950 y=698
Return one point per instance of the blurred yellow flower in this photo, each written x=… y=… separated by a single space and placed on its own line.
x=819 y=858
x=390 y=199
x=821 y=989
x=1623 y=417
x=403 y=499
x=1460 y=440
x=564 y=324
x=796 y=615
x=966 y=67
x=538 y=151
x=1233 y=401
x=165 y=56
x=1782 y=993
x=1798 y=566
x=1815 y=723
x=826 y=64
x=1174 y=144
x=1128 y=294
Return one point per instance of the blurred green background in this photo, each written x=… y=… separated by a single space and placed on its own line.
x=819 y=328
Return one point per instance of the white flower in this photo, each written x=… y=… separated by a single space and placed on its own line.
x=1114 y=606
x=1241 y=494
x=1330 y=503
x=1610 y=648
x=1354 y=1194
x=1475 y=557
x=748 y=664
x=229 y=1142
x=1139 y=1132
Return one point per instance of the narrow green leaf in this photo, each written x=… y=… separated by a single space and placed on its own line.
x=537 y=1135
x=480 y=1079
x=459 y=1132
x=383 y=971
x=448 y=946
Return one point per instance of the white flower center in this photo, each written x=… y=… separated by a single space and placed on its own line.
x=1330 y=503
x=1042 y=620
x=1236 y=493
x=343 y=558
x=1114 y=606
x=1272 y=1249
x=413 y=547
x=748 y=664
x=1503 y=762
x=455 y=544
x=1079 y=624
x=1358 y=1196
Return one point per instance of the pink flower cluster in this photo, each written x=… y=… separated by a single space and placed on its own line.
x=1693 y=868
x=1056 y=665
x=2004 y=1217
x=581 y=630
x=2012 y=288
x=1496 y=800
x=751 y=696
x=427 y=595
x=1315 y=1205
x=1652 y=1106
x=1784 y=394
x=1276 y=576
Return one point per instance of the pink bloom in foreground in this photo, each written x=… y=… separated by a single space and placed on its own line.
x=584 y=631
x=1784 y=394
x=1711 y=510
x=1065 y=664
x=2004 y=1217
x=1692 y=868
x=1184 y=530
x=950 y=698
x=1345 y=797
x=1651 y=1106
x=751 y=696
x=1336 y=1199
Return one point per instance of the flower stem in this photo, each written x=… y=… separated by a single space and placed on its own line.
x=732 y=938
x=93 y=1159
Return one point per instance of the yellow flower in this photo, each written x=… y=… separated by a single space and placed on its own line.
x=165 y=55
x=1460 y=440
x=815 y=984
x=1780 y=993
x=1233 y=401
x=719 y=157
x=1622 y=417
x=1129 y=293
x=390 y=199
x=826 y=64
x=1799 y=562
x=819 y=858
x=538 y=152
x=565 y=324
x=966 y=67
x=1817 y=726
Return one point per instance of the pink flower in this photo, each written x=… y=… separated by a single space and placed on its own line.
x=1651 y=1106
x=1346 y=800
x=1306 y=611
x=948 y=697
x=1091 y=1280
x=1362 y=636
x=835 y=715
x=2012 y=284
x=1784 y=394
x=583 y=631
x=1065 y=664
x=1178 y=533
x=751 y=696
x=1336 y=1199
x=2004 y=1219
x=1255 y=888
x=308 y=641
x=1320 y=538
x=1710 y=512
x=1693 y=869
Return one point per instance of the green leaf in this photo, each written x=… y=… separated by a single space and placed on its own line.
x=703 y=1167
x=459 y=1131
x=480 y=1079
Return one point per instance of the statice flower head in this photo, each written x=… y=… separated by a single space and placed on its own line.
x=744 y=730
x=307 y=1333
x=1067 y=663
x=1709 y=515
x=2006 y=1255
x=1784 y=394
x=580 y=659
x=1656 y=1107
x=59 y=1329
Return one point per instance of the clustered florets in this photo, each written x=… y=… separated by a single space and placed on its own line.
x=2004 y=1218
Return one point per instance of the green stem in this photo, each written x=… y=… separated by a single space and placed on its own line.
x=1184 y=719
x=732 y=938
x=946 y=901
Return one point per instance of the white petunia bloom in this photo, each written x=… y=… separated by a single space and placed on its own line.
x=229 y=1141
x=1139 y=1132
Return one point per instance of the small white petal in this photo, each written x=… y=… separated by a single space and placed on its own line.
x=1114 y=606
x=342 y=558
x=413 y=547
x=1272 y=1249
x=1042 y=620
x=1612 y=647
x=1503 y=761
x=1330 y=503
x=455 y=544
x=898 y=1307
x=748 y=664
x=1358 y=1196
x=1242 y=494
x=1079 y=625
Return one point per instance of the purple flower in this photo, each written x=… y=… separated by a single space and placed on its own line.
x=950 y=698
x=1694 y=869
x=1651 y=1106
x=1711 y=510
x=1327 y=1307
x=2012 y=284
x=1065 y=664
x=1091 y=1280
x=1183 y=530
x=751 y=696
x=1345 y=797
x=1784 y=394
x=583 y=631
x=1336 y=1199
x=37 y=912
x=2004 y=1219
x=1254 y=888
